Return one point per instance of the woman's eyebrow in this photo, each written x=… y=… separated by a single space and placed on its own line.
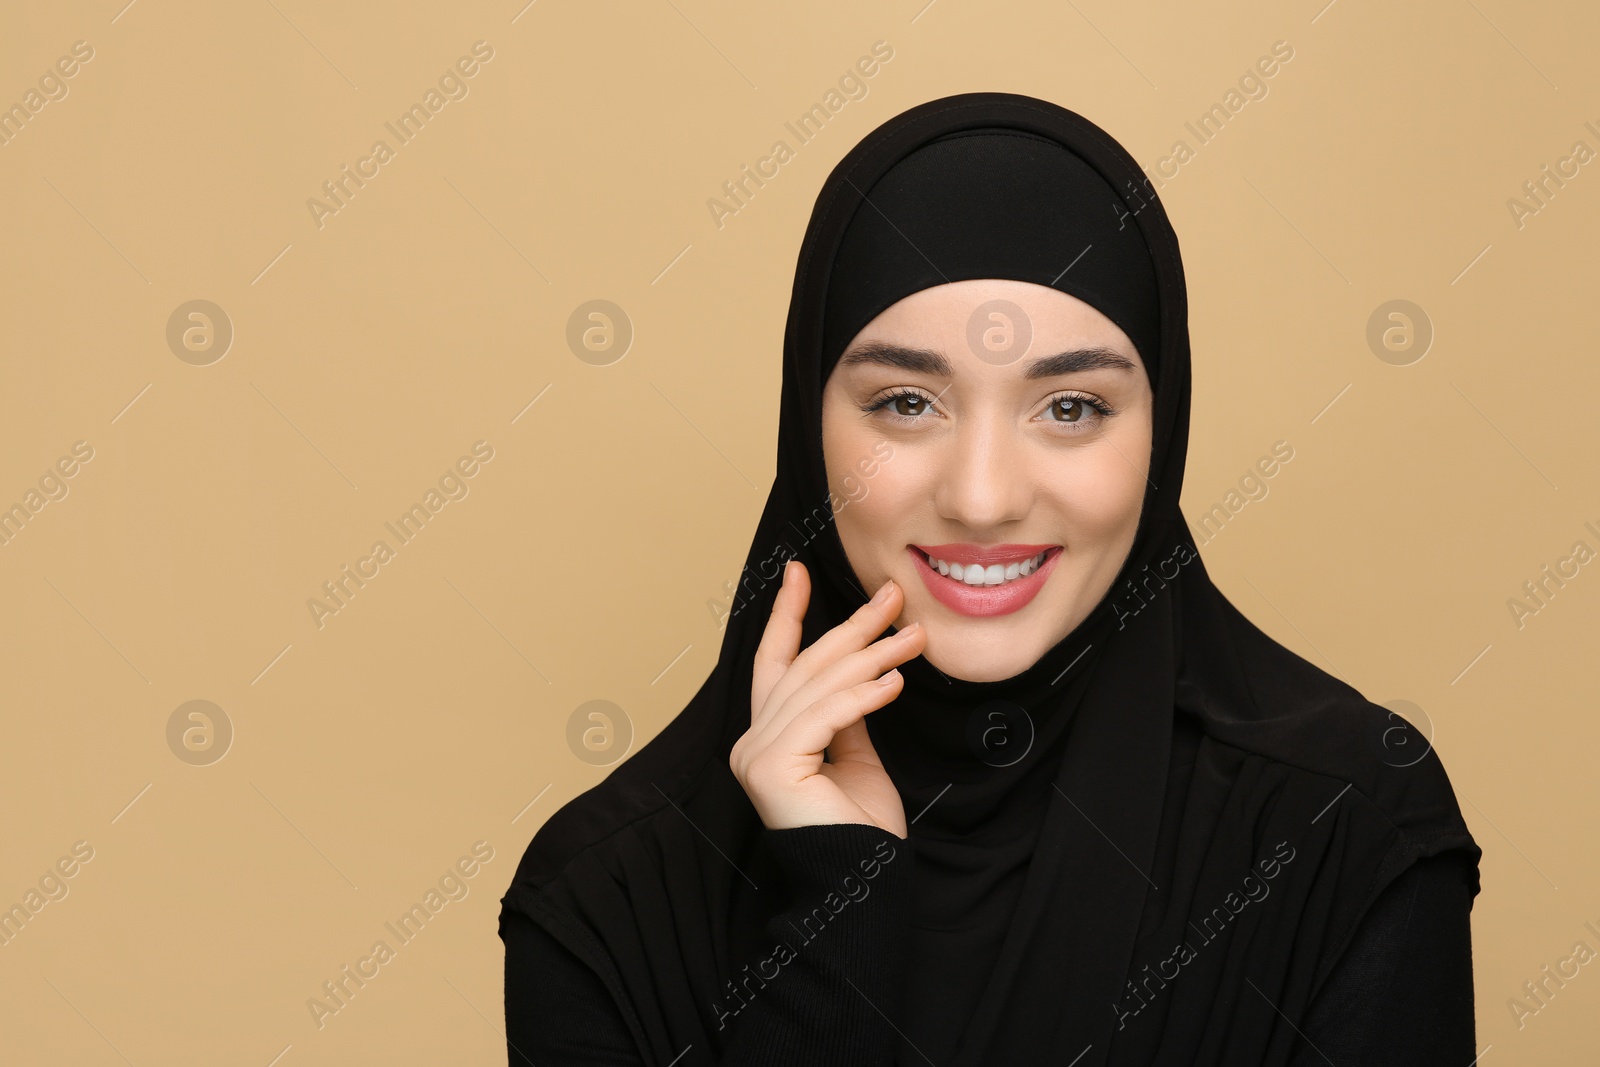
x=928 y=361
x=884 y=353
x=1078 y=359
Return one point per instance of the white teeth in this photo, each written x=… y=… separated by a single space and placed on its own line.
x=994 y=574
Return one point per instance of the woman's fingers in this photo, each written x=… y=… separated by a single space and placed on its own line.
x=811 y=732
x=780 y=641
x=851 y=635
x=852 y=743
x=803 y=701
x=862 y=666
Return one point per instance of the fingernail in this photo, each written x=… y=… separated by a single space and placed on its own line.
x=883 y=592
x=889 y=677
x=909 y=630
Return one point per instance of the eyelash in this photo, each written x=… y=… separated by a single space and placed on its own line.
x=1100 y=407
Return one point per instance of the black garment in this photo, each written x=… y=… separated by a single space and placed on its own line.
x=1199 y=819
x=1401 y=993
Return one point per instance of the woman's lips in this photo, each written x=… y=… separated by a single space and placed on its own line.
x=983 y=600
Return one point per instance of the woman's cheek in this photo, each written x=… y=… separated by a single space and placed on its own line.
x=900 y=488
x=868 y=512
x=1110 y=491
x=873 y=527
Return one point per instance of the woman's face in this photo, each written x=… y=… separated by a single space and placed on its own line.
x=960 y=444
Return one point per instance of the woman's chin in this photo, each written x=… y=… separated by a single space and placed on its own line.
x=958 y=656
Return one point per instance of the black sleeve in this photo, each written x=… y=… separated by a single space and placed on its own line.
x=1402 y=992
x=821 y=998
x=557 y=1009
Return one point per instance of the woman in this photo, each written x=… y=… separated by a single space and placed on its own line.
x=1076 y=808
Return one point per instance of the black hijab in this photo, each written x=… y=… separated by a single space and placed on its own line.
x=1096 y=839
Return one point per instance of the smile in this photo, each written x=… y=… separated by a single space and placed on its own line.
x=993 y=574
x=984 y=581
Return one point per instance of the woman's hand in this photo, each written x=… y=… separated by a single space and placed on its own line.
x=803 y=704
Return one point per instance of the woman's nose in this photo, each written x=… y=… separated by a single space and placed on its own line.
x=983 y=481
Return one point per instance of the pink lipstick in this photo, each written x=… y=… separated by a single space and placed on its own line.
x=984 y=580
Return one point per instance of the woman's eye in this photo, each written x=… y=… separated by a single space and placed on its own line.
x=1070 y=409
x=904 y=405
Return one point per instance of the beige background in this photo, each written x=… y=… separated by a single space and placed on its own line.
x=431 y=310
